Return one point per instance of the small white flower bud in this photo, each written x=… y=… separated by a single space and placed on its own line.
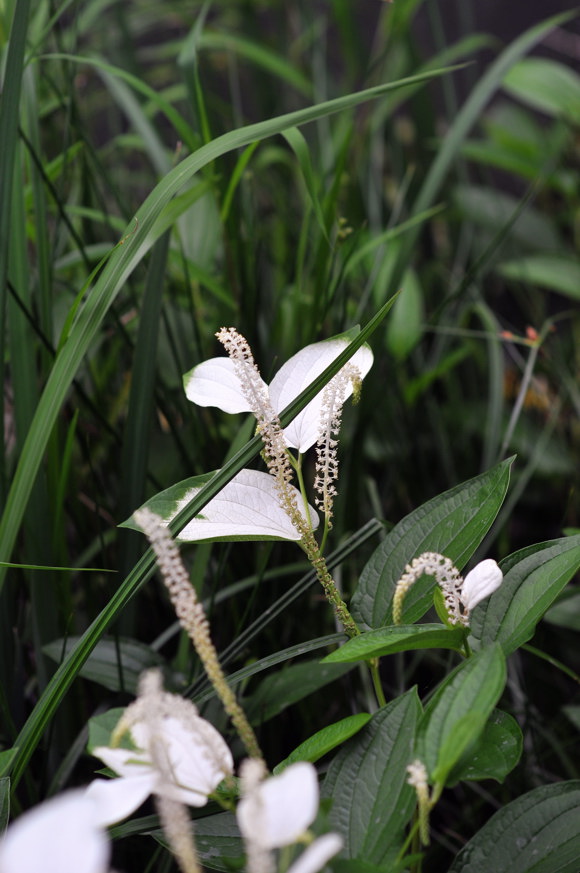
x=480 y=582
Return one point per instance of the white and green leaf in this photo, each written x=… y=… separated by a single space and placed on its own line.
x=247 y=508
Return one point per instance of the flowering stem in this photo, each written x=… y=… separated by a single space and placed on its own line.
x=314 y=555
x=193 y=620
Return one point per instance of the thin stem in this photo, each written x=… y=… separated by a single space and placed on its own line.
x=374 y=668
x=297 y=465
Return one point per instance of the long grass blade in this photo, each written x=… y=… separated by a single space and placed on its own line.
x=119 y=267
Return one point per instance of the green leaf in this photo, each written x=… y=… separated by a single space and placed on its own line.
x=566 y=612
x=367 y=782
x=495 y=754
x=533 y=578
x=289 y=685
x=397 y=638
x=456 y=714
x=454 y=523
x=546 y=85
x=405 y=326
x=490 y=209
x=555 y=272
x=218 y=842
x=325 y=740
x=102 y=726
x=537 y=833
x=115 y=664
x=4 y=803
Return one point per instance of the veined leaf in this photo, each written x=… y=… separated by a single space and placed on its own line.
x=397 y=638
x=495 y=754
x=537 y=833
x=533 y=578
x=323 y=741
x=289 y=685
x=367 y=781
x=456 y=714
x=454 y=523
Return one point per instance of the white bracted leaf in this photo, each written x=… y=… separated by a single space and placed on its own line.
x=298 y=373
x=59 y=836
x=317 y=854
x=247 y=507
x=481 y=582
x=279 y=810
x=214 y=383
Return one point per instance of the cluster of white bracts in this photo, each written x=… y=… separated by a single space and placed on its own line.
x=181 y=759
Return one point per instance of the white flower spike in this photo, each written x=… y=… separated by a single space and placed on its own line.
x=215 y=383
x=483 y=580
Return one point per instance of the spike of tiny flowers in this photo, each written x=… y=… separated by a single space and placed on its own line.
x=417 y=779
x=193 y=620
x=446 y=575
x=460 y=594
x=333 y=398
x=278 y=463
x=269 y=426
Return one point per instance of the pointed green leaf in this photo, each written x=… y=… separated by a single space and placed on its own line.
x=495 y=754
x=4 y=803
x=546 y=85
x=325 y=740
x=537 y=833
x=289 y=685
x=247 y=508
x=454 y=523
x=115 y=664
x=101 y=728
x=533 y=578
x=456 y=714
x=397 y=638
x=367 y=782
x=556 y=272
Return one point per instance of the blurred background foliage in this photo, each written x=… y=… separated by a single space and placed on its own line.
x=292 y=239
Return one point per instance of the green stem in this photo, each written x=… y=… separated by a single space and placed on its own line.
x=297 y=464
x=374 y=668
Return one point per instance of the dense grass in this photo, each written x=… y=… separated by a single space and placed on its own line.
x=283 y=169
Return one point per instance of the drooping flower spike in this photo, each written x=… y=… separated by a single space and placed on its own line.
x=461 y=595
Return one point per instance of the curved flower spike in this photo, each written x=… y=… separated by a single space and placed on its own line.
x=483 y=580
x=215 y=383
